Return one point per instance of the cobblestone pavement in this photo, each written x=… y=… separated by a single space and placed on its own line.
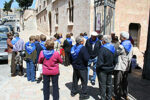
x=18 y=88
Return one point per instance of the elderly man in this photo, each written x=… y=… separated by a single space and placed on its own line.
x=105 y=67
x=18 y=46
x=124 y=53
x=93 y=45
x=79 y=61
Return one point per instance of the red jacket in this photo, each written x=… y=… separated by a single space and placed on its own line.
x=51 y=66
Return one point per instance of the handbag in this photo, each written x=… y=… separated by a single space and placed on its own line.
x=39 y=70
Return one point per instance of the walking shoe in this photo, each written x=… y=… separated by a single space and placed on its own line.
x=85 y=96
x=20 y=74
x=73 y=94
x=13 y=75
x=92 y=82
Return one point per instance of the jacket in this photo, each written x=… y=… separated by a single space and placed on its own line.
x=92 y=53
x=38 y=49
x=52 y=64
x=106 y=60
x=124 y=59
x=32 y=56
x=82 y=60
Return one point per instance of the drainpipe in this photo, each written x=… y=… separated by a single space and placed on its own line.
x=105 y=9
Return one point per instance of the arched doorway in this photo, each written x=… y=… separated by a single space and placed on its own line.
x=50 y=23
x=135 y=30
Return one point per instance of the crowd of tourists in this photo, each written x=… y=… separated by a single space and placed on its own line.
x=106 y=55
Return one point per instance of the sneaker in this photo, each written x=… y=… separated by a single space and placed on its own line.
x=85 y=96
x=92 y=82
x=73 y=94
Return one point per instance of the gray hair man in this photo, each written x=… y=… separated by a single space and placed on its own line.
x=105 y=67
x=124 y=53
x=18 y=47
x=79 y=61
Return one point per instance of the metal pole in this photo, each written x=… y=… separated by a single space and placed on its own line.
x=95 y=18
x=105 y=9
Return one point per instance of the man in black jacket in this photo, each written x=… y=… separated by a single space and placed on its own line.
x=79 y=61
x=105 y=66
x=93 y=45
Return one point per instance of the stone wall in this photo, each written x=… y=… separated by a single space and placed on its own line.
x=133 y=11
x=83 y=17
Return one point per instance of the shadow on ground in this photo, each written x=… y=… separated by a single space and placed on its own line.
x=92 y=91
x=139 y=88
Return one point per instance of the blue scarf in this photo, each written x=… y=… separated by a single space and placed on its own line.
x=75 y=50
x=15 y=40
x=110 y=47
x=48 y=54
x=58 y=41
x=127 y=45
x=36 y=42
x=86 y=37
x=30 y=47
x=69 y=40
x=93 y=42
x=43 y=45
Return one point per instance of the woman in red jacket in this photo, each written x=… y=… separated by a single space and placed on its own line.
x=50 y=60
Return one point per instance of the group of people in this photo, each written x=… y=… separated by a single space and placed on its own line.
x=102 y=53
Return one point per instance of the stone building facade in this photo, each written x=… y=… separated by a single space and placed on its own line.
x=65 y=16
x=77 y=16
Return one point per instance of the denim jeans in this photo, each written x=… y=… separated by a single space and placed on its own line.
x=105 y=84
x=46 y=86
x=94 y=61
x=30 y=70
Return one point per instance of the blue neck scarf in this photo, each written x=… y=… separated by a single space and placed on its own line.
x=15 y=40
x=48 y=54
x=36 y=42
x=30 y=47
x=43 y=45
x=86 y=37
x=58 y=41
x=75 y=50
x=93 y=42
x=110 y=47
x=69 y=40
x=127 y=45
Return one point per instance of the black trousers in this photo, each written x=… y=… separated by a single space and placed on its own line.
x=120 y=84
x=105 y=84
x=79 y=74
x=67 y=59
x=46 y=86
x=15 y=62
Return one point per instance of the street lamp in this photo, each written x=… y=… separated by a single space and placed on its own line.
x=104 y=17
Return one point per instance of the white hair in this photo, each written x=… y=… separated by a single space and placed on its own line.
x=79 y=39
x=125 y=34
x=107 y=38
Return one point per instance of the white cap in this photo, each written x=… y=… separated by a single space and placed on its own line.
x=125 y=34
x=94 y=33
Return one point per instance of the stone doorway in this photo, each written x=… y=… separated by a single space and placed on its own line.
x=50 y=23
x=134 y=30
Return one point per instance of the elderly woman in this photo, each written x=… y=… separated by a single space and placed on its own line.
x=67 y=47
x=124 y=53
x=79 y=60
x=50 y=60
x=105 y=66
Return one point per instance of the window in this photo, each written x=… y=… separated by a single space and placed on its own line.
x=40 y=8
x=70 y=10
x=40 y=20
x=44 y=4
x=56 y=14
